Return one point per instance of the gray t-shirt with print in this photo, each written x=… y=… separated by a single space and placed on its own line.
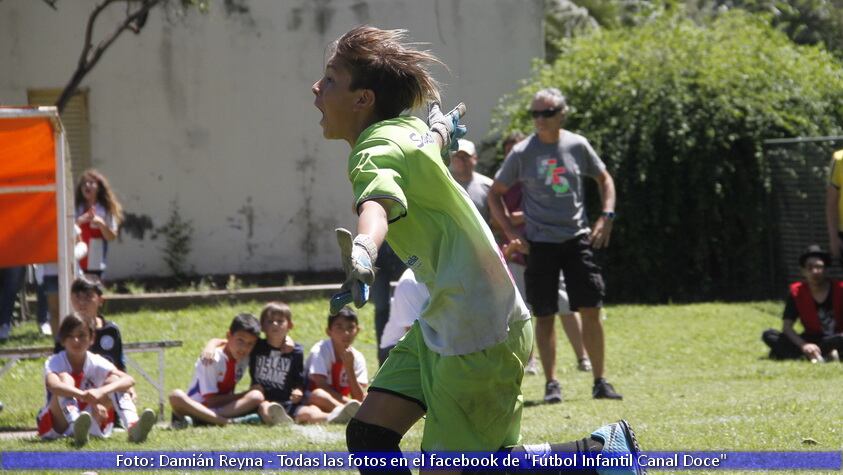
x=478 y=190
x=551 y=175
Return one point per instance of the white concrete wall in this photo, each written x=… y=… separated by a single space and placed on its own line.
x=215 y=112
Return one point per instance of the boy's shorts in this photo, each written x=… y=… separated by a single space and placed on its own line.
x=44 y=422
x=473 y=402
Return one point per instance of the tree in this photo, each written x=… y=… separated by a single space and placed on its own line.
x=808 y=22
x=679 y=111
x=136 y=14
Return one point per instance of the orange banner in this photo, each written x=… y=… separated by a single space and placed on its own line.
x=29 y=230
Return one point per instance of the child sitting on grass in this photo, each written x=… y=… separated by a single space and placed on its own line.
x=337 y=374
x=83 y=388
x=210 y=398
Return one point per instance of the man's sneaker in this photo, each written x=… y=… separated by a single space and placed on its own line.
x=834 y=356
x=552 y=392
x=619 y=439
x=5 y=330
x=344 y=413
x=277 y=415
x=180 y=422
x=45 y=329
x=141 y=428
x=532 y=366
x=604 y=390
x=584 y=364
x=81 y=427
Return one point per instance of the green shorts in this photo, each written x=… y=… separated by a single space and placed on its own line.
x=473 y=401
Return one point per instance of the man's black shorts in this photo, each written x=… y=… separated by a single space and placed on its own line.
x=575 y=258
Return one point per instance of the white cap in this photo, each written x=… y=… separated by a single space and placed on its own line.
x=466 y=146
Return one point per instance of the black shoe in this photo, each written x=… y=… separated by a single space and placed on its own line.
x=604 y=390
x=552 y=392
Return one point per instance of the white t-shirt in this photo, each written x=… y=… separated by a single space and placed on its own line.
x=219 y=377
x=407 y=304
x=94 y=372
x=322 y=360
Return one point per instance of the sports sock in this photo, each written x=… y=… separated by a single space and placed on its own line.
x=125 y=408
x=70 y=408
x=252 y=418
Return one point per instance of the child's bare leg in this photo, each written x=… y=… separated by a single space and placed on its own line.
x=184 y=406
x=311 y=414
x=246 y=404
x=323 y=400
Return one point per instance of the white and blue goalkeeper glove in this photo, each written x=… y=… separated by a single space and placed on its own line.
x=358 y=262
x=447 y=126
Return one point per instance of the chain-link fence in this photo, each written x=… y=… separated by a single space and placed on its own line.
x=798 y=180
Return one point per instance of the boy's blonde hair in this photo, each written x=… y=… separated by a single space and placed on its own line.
x=276 y=307
x=381 y=61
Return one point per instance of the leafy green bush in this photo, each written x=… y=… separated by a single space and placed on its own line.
x=679 y=111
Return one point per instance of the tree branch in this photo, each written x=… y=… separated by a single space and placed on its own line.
x=90 y=55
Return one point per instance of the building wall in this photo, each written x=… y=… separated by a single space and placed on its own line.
x=213 y=112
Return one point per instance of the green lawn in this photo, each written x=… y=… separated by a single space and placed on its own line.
x=694 y=377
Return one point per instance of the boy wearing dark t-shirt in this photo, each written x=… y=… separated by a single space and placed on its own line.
x=87 y=300
x=276 y=364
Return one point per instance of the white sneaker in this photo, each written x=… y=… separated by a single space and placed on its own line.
x=81 y=428
x=277 y=415
x=45 y=329
x=139 y=431
x=343 y=414
x=532 y=366
x=5 y=330
x=834 y=356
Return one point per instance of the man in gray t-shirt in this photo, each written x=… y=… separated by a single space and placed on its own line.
x=463 y=163
x=550 y=165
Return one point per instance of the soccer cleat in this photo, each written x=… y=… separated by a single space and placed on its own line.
x=141 y=428
x=81 y=427
x=584 y=364
x=180 y=422
x=532 y=367
x=277 y=415
x=604 y=390
x=343 y=414
x=619 y=439
x=552 y=392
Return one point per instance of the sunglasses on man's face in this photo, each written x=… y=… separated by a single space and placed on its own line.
x=547 y=113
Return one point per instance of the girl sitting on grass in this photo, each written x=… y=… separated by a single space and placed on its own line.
x=83 y=388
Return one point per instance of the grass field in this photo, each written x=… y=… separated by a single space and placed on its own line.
x=694 y=377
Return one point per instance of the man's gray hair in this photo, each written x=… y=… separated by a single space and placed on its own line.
x=554 y=95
